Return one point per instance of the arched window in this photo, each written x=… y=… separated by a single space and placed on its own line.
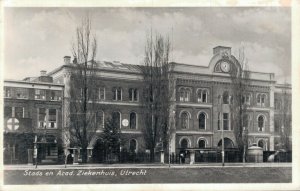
x=202 y=121
x=246 y=99
x=261 y=143
x=199 y=95
x=202 y=144
x=228 y=143
x=184 y=120
x=204 y=96
x=261 y=99
x=132 y=120
x=261 y=123
x=116 y=117
x=184 y=143
x=225 y=97
x=133 y=146
x=185 y=94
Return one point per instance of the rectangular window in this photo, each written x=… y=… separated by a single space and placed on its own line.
x=82 y=93
x=21 y=93
x=56 y=95
x=135 y=95
x=7 y=112
x=225 y=121
x=19 y=112
x=42 y=118
x=40 y=94
x=102 y=93
x=7 y=92
x=100 y=119
x=119 y=94
x=52 y=118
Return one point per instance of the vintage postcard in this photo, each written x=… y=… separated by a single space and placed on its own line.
x=149 y=95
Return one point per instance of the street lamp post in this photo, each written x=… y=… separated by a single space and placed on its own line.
x=222 y=126
x=35 y=151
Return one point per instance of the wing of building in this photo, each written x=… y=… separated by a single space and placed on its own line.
x=35 y=108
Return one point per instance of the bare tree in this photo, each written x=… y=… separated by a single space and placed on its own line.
x=83 y=94
x=156 y=93
x=239 y=103
x=285 y=119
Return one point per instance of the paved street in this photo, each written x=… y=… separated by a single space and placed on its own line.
x=155 y=165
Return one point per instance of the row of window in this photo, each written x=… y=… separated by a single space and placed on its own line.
x=116 y=117
x=202 y=96
x=23 y=93
x=117 y=94
x=228 y=143
x=202 y=121
x=47 y=118
x=185 y=94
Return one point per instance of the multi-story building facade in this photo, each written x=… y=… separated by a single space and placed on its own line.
x=202 y=98
x=32 y=116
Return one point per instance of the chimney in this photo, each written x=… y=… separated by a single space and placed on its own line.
x=67 y=60
x=223 y=50
x=43 y=72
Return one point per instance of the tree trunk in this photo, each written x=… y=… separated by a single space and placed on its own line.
x=152 y=155
x=84 y=155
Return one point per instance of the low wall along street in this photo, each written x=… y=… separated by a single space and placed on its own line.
x=149 y=175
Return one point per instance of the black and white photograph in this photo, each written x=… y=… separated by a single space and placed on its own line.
x=148 y=95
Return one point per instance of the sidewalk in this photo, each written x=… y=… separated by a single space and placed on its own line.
x=151 y=165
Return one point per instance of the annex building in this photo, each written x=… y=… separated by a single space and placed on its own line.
x=34 y=108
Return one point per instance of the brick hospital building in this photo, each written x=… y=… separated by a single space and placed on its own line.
x=34 y=107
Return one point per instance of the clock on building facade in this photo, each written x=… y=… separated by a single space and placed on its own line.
x=225 y=66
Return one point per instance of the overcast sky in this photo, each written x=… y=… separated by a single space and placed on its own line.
x=38 y=38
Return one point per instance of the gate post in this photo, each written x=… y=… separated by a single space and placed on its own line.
x=192 y=155
x=162 y=157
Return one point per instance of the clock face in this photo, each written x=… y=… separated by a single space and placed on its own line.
x=225 y=66
x=125 y=122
